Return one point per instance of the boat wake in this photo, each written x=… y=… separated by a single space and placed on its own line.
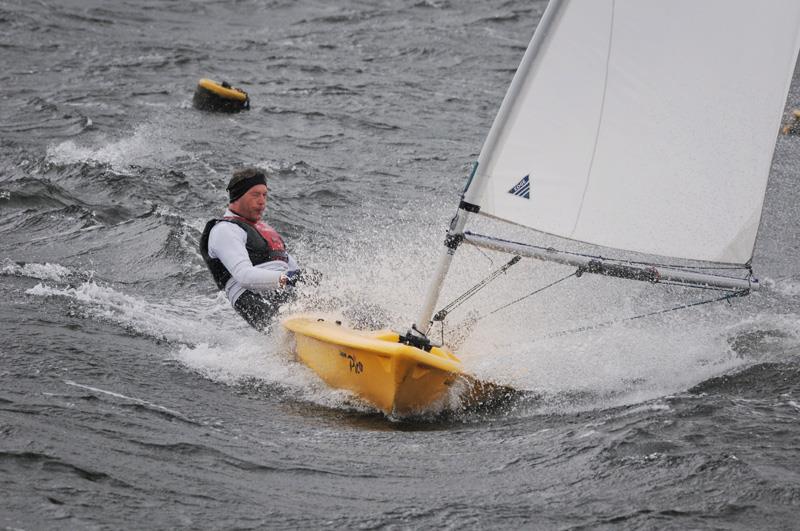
x=627 y=365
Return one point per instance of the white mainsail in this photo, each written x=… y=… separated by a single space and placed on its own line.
x=640 y=125
x=644 y=125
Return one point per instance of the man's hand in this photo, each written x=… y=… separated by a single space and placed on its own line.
x=291 y=278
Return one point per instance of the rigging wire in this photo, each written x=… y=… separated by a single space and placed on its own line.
x=476 y=319
x=441 y=314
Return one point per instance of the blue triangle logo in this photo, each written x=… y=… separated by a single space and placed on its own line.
x=522 y=188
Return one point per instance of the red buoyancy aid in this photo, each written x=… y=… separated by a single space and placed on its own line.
x=269 y=234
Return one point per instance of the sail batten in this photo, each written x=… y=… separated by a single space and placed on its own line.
x=644 y=125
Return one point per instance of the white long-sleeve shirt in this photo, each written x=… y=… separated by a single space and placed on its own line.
x=226 y=241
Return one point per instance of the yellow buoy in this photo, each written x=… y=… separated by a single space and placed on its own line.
x=219 y=97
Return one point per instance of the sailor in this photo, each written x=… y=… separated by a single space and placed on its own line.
x=247 y=257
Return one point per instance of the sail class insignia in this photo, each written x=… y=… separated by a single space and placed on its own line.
x=522 y=188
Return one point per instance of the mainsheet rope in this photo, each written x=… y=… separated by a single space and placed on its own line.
x=727 y=296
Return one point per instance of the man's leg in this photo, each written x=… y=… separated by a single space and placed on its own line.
x=259 y=309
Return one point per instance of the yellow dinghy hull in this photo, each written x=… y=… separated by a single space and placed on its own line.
x=392 y=376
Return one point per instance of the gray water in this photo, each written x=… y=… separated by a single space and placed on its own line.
x=132 y=396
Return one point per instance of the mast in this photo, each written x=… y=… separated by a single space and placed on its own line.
x=480 y=171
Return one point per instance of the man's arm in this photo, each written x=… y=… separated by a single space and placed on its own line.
x=227 y=243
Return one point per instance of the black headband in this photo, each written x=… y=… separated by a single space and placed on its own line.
x=238 y=187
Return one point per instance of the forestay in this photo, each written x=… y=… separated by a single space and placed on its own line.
x=644 y=125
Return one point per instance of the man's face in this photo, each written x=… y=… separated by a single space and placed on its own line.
x=251 y=205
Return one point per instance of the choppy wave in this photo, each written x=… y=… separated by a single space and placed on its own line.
x=206 y=335
x=46 y=271
x=789 y=287
x=150 y=144
x=176 y=321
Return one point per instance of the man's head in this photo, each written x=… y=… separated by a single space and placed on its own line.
x=247 y=191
